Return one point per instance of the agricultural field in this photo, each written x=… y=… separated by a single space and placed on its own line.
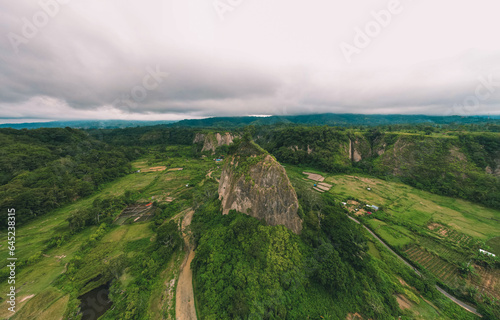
x=41 y=295
x=440 y=234
x=440 y=268
x=419 y=207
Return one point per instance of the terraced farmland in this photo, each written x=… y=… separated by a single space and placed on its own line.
x=445 y=252
x=441 y=269
x=450 y=234
x=488 y=281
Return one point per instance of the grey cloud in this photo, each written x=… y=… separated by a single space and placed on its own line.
x=82 y=64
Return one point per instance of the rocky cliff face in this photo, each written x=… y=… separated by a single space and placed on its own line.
x=495 y=170
x=359 y=148
x=256 y=184
x=213 y=141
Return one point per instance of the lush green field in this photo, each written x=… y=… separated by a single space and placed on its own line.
x=38 y=285
x=438 y=233
x=419 y=207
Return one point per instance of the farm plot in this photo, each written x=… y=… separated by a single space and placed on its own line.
x=443 y=251
x=455 y=236
x=155 y=169
x=314 y=176
x=135 y=213
x=488 y=281
x=419 y=207
x=440 y=268
x=396 y=236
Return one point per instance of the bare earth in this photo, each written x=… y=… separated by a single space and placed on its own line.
x=155 y=169
x=184 y=297
x=314 y=176
x=403 y=302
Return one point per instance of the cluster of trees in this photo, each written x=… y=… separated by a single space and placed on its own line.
x=144 y=267
x=143 y=259
x=243 y=267
x=145 y=136
x=43 y=169
x=322 y=147
x=102 y=210
x=450 y=167
x=458 y=166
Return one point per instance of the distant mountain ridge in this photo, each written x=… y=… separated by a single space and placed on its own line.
x=334 y=120
x=86 y=124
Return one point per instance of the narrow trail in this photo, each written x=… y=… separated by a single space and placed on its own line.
x=184 y=296
x=449 y=296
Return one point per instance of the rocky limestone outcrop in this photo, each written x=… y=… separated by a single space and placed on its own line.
x=496 y=169
x=213 y=141
x=358 y=148
x=261 y=190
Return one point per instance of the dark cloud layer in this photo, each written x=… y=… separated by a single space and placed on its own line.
x=111 y=61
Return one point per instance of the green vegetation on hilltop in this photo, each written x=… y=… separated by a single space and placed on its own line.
x=438 y=234
x=244 y=269
x=43 y=169
x=455 y=166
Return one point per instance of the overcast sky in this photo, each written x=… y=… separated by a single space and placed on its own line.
x=175 y=59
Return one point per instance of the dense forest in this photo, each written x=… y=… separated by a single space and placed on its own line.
x=343 y=120
x=244 y=269
x=448 y=163
x=43 y=169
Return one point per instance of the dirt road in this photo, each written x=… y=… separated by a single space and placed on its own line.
x=184 y=296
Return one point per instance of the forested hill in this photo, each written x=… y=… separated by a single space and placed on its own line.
x=463 y=165
x=43 y=169
x=336 y=120
x=442 y=159
x=86 y=124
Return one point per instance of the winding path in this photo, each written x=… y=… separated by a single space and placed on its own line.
x=452 y=298
x=184 y=295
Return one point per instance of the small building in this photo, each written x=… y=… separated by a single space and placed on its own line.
x=369 y=189
x=486 y=252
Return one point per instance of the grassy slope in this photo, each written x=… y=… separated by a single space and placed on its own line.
x=30 y=238
x=464 y=221
x=419 y=206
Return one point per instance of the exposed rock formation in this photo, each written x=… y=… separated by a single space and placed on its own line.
x=496 y=169
x=253 y=182
x=213 y=141
x=357 y=148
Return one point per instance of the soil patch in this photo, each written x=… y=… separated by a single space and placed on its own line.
x=314 y=176
x=403 y=302
x=155 y=169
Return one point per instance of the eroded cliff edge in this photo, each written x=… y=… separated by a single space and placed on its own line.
x=253 y=182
